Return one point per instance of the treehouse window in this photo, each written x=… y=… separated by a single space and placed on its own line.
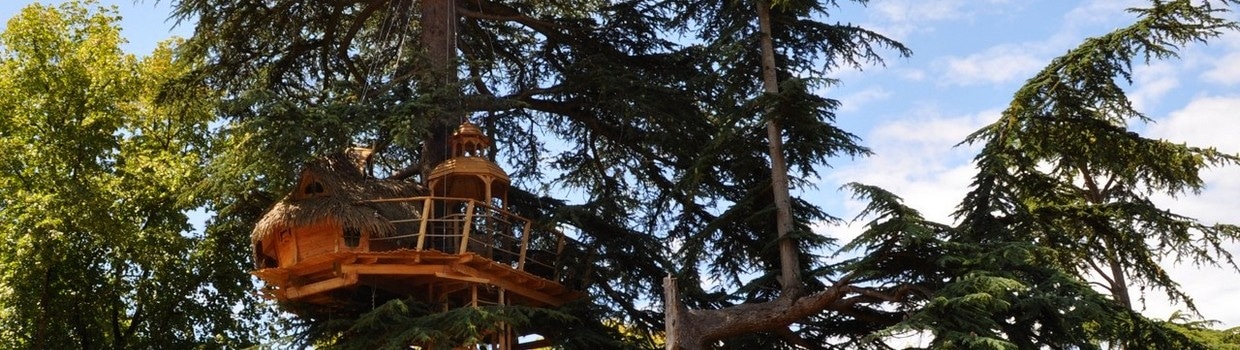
x=313 y=188
x=352 y=236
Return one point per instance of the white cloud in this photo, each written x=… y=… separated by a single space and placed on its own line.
x=1099 y=12
x=900 y=18
x=1226 y=71
x=856 y=100
x=910 y=11
x=997 y=65
x=915 y=158
x=1152 y=82
x=912 y=74
x=1205 y=121
x=1013 y=62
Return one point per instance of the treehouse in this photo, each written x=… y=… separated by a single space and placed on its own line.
x=342 y=239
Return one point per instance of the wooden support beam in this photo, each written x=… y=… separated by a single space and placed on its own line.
x=275 y=276
x=295 y=292
x=394 y=269
x=509 y=285
x=315 y=263
x=461 y=278
x=535 y=344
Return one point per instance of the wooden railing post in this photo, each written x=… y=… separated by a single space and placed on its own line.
x=426 y=216
x=525 y=244
x=559 y=251
x=469 y=219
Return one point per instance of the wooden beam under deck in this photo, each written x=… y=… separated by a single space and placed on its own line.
x=297 y=292
x=340 y=270
x=535 y=344
x=519 y=289
x=394 y=269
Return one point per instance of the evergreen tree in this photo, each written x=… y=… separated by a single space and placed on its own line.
x=1062 y=169
x=666 y=148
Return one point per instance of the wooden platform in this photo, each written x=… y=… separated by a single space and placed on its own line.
x=429 y=273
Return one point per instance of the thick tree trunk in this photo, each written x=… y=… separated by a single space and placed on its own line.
x=671 y=313
x=1119 y=282
x=696 y=329
x=438 y=23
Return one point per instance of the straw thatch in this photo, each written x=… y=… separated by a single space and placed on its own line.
x=343 y=184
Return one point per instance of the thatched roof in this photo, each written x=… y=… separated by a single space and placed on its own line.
x=341 y=183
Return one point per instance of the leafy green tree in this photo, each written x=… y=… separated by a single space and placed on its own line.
x=98 y=175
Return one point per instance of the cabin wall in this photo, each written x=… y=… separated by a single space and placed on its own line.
x=287 y=246
x=267 y=252
x=318 y=239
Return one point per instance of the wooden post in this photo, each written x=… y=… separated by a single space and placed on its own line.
x=559 y=252
x=426 y=217
x=671 y=312
x=469 y=219
x=525 y=244
x=473 y=295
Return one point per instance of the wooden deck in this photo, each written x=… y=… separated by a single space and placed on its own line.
x=407 y=271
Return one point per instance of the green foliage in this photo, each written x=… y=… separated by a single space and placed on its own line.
x=1065 y=172
x=989 y=295
x=659 y=147
x=398 y=323
x=1204 y=332
x=1061 y=171
x=594 y=88
x=98 y=177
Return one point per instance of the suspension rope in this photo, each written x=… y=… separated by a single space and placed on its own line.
x=385 y=29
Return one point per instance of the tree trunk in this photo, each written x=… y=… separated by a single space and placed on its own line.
x=438 y=23
x=671 y=313
x=695 y=329
x=790 y=269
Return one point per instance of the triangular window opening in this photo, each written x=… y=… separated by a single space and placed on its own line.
x=313 y=188
x=310 y=187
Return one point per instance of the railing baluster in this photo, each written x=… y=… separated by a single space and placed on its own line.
x=469 y=219
x=525 y=244
x=559 y=251
x=426 y=214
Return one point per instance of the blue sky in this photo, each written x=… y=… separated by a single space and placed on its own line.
x=969 y=57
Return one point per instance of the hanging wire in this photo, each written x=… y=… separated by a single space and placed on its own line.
x=450 y=52
x=385 y=29
x=404 y=32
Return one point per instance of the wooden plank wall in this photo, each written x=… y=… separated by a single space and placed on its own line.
x=317 y=240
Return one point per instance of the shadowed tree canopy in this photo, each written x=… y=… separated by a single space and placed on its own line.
x=585 y=96
x=654 y=151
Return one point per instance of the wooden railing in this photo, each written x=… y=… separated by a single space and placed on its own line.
x=461 y=225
